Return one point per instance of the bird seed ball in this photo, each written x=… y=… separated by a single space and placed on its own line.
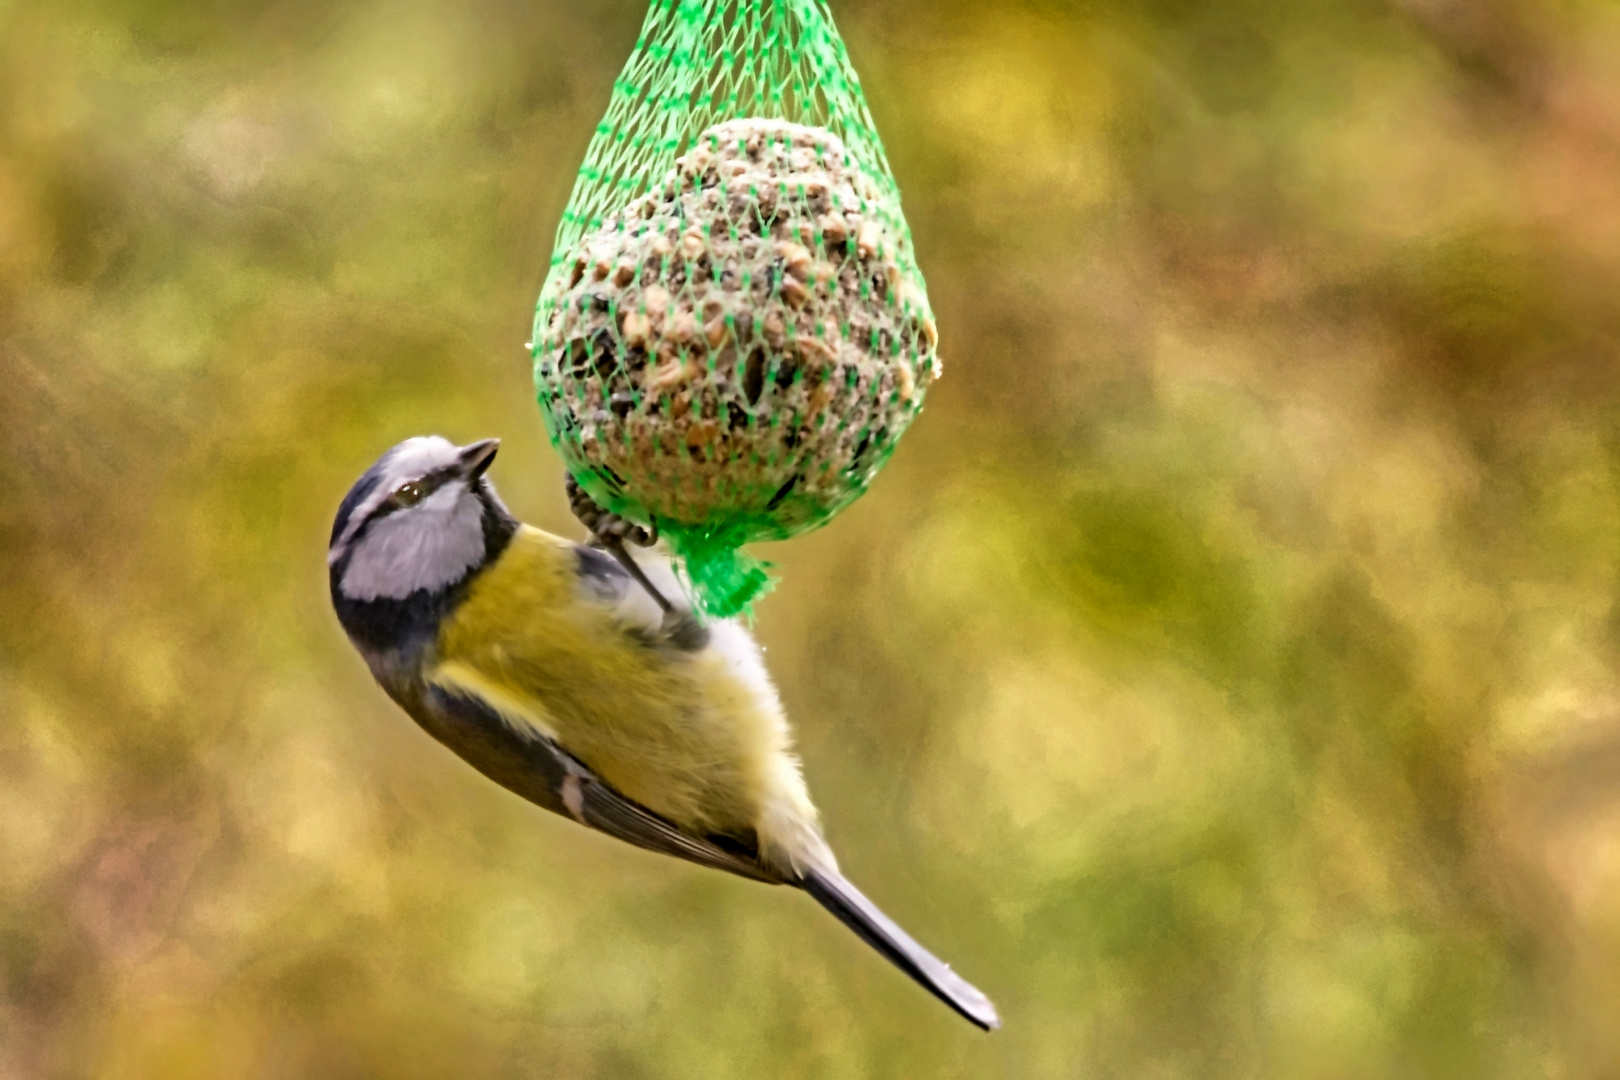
x=742 y=339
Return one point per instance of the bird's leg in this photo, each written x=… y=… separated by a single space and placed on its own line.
x=615 y=547
x=610 y=531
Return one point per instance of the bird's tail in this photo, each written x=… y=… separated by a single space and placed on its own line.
x=879 y=931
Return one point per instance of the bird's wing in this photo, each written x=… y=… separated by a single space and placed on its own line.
x=603 y=580
x=529 y=763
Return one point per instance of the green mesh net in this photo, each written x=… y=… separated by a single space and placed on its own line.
x=734 y=332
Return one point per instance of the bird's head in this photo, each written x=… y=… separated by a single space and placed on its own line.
x=418 y=521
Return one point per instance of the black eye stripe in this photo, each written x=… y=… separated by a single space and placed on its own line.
x=428 y=482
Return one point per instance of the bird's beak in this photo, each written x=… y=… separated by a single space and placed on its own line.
x=475 y=457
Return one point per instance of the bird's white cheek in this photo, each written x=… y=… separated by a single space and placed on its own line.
x=427 y=547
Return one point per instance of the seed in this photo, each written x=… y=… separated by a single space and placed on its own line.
x=635 y=327
x=600 y=270
x=794 y=257
x=701 y=433
x=907 y=381
x=930 y=332
x=696 y=162
x=834 y=230
x=682 y=327
x=814 y=349
x=624 y=273
x=693 y=246
x=869 y=241
x=656 y=297
x=670 y=373
x=794 y=292
x=775 y=329
x=716 y=331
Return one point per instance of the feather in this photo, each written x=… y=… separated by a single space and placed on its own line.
x=528 y=763
x=858 y=913
x=696 y=737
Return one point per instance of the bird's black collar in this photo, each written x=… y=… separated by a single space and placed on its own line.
x=407 y=625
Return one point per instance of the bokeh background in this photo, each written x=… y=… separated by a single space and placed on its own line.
x=1222 y=675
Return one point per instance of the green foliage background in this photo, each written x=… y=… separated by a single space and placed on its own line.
x=1222 y=675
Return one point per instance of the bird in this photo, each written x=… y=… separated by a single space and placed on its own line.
x=587 y=684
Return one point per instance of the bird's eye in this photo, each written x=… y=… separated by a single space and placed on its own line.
x=409 y=494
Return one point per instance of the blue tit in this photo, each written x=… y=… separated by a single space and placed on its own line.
x=556 y=672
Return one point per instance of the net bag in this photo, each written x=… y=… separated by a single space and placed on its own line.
x=734 y=333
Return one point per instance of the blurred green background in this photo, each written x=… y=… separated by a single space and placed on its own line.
x=1222 y=675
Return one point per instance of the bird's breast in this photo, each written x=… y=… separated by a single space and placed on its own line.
x=678 y=733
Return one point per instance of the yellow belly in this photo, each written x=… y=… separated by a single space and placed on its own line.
x=677 y=733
